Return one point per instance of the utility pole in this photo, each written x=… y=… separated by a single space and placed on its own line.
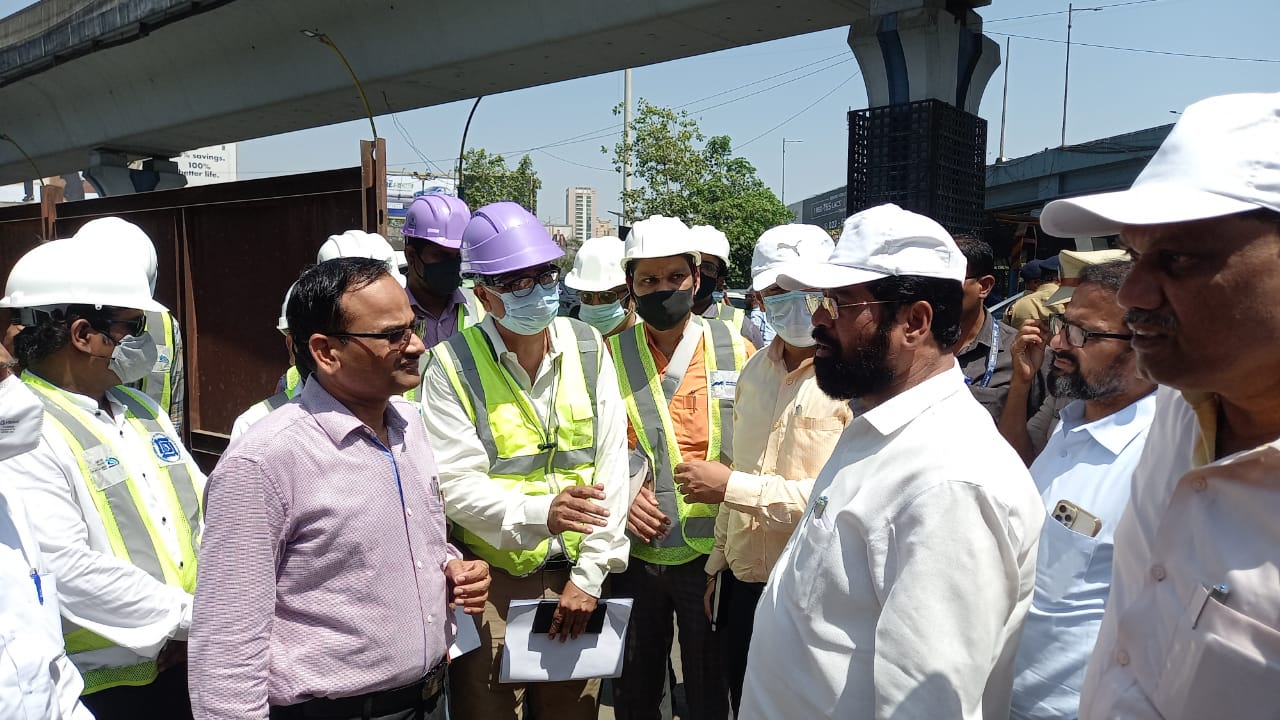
x=1004 y=103
x=784 y=167
x=1066 y=72
x=626 y=144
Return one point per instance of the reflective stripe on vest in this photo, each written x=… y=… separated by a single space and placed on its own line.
x=648 y=412
x=731 y=315
x=158 y=384
x=510 y=428
x=276 y=401
x=132 y=535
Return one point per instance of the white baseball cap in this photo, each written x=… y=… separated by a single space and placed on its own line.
x=1222 y=158
x=784 y=245
x=881 y=242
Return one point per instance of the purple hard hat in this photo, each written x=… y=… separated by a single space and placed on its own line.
x=504 y=237
x=438 y=218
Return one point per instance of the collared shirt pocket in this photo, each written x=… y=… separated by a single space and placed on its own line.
x=812 y=545
x=807 y=445
x=1221 y=663
x=1064 y=563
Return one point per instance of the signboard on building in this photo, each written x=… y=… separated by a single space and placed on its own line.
x=825 y=210
x=205 y=166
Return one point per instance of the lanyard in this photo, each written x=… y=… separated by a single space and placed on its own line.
x=992 y=354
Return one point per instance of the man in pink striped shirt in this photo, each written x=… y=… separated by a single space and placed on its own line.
x=326 y=575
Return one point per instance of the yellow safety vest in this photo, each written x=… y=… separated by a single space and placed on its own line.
x=523 y=455
x=158 y=384
x=648 y=411
x=731 y=315
x=132 y=535
x=469 y=314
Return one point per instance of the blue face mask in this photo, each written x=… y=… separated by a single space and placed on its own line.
x=602 y=317
x=717 y=295
x=788 y=315
x=531 y=314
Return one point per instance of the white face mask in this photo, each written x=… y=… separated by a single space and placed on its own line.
x=21 y=417
x=788 y=315
x=134 y=357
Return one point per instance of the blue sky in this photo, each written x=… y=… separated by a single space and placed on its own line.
x=1112 y=91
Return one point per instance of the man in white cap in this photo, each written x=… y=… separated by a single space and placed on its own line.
x=783 y=432
x=39 y=680
x=904 y=588
x=116 y=495
x=262 y=408
x=1192 y=628
x=167 y=381
x=713 y=246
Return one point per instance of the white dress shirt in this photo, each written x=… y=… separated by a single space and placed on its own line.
x=37 y=680
x=1089 y=464
x=1169 y=648
x=99 y=591
x=903 y=590
x=509 y=520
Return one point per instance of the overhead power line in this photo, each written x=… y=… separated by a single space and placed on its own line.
x=1064 y=12
x=1139 y=50
x=803 y=110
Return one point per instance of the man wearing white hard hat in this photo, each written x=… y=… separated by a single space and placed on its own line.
x=262 y=408
x=677 y=372
x=713 y=246
x=166 y=383
x=784 y=428
x=602 y=286
x=1192 y=626
x=39 y=680
x=358 y=243
x=116 y=495
x=904 y=588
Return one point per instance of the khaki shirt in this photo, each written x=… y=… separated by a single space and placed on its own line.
x=1032 y=306
x=1169 y=647
x=784 y=429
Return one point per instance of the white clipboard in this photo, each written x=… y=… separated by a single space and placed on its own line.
x=536 y=658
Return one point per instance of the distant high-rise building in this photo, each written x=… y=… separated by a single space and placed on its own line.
x=602 y=228
x=580 y=211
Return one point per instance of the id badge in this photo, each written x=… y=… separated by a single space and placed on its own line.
x=105 y=469
x=724 y=384
x=164 y=359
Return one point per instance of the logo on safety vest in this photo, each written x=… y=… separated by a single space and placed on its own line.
x=164 y=448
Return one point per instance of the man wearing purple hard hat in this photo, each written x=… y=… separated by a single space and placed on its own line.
x=1192 y=624
x=528 y=427
x=432 y=232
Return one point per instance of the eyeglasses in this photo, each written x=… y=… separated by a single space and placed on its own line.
x=1078 y=336
x=398 y=338
x=522 y=286
x=133 y=326
x=600 y=297
x=825 y=302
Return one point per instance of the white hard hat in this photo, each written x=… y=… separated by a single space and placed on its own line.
x=707 y=240
x=70 y=272
x=598 y=265
x=125 y=239
x=283 y=324
x=657 y=237
x=358 y=243
x=785 y=244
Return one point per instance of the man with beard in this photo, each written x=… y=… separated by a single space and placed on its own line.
x=1192 y=627
x=1083 y=477
x=903 y=590
x=678 y=374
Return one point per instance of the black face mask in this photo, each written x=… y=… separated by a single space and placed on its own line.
x=442 y=278
x=664 y=309
x=706 y=285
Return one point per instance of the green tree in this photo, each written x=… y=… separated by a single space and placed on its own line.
x=487 y=179
x=678 y=171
